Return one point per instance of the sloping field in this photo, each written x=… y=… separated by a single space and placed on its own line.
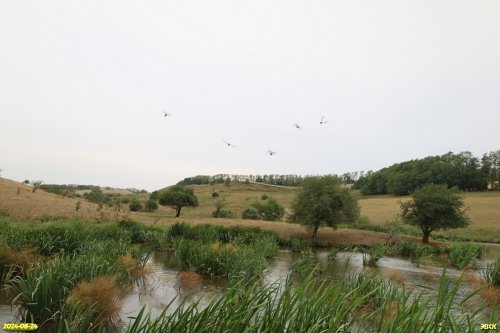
x=483 y=210
x=18 y=199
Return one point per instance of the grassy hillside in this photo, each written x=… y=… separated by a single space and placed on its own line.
x=18 y=199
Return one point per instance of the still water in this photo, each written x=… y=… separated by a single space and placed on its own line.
x=166 y=283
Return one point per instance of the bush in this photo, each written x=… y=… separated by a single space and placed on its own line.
x=272 y=210
x=155 y=195
x=264 y=197
x=250 y=213
x=298 y=244
x=215 y=194
x=135 y=206
x=151 y=205
x=417 y=253
x=374 y=255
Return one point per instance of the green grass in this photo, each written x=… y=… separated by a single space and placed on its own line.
x=357 y=302
x=374 y=254
x=492 y=273
x=464 y=254
x=298 y=244
x=69 y=252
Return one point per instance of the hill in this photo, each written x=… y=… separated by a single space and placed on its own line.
x=19 y=200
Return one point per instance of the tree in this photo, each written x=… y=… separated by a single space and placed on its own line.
x=36 y=184
x=177 y=197
x=219 y=212
x=219 y=204
x=155 y=195
x=322 y=201
x=434 y=207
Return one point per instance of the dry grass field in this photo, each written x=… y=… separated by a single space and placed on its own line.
x=483 y=210
x=19 y=200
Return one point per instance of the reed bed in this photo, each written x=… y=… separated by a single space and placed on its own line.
x=492 y=273
x=464 y=254
x=356 y=303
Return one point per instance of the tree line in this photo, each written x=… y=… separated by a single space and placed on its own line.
x=272 y=179
x=462 y=170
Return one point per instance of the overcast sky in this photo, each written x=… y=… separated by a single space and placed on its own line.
x=83 y=87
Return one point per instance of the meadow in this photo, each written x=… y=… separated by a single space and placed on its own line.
x=379 y=212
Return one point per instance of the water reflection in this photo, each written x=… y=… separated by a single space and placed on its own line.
x=167 y=284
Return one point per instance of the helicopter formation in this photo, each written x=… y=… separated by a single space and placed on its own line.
x=270 y=152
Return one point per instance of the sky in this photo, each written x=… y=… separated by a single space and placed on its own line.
x=84 y=84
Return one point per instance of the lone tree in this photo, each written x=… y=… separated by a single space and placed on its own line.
x=177 y=197
x=323 y=201
x=434 y=207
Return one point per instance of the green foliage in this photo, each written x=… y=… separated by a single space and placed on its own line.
x=492 y=273
x=155 y=195
x=463 y=254
x=332 y=255
x=250 y=213
x=434 y=207
x=178 y=197
x=374 y=254
x=215 y=194
x=219 y=212
x=299 y=244
x=57 y=189
x=135 y=205
x=151 y=205
x=356 y=303
x=197 y=180
x=217 y=259
x=462 y=170
x=271 y=210
x=322 y=201
x=264 y=197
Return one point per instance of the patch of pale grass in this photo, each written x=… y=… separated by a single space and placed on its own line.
x=101 y=295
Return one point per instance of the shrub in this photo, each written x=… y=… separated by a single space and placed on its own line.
x=264 y=197
x=332 y=256
x=463 y=254
x=272 y=210
x=155 y=195
x=250 y=213
x=298 y=244
x=492 y=273
x=135 y=206
x=374 y=255
x=151 y=205
x=215 y=194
